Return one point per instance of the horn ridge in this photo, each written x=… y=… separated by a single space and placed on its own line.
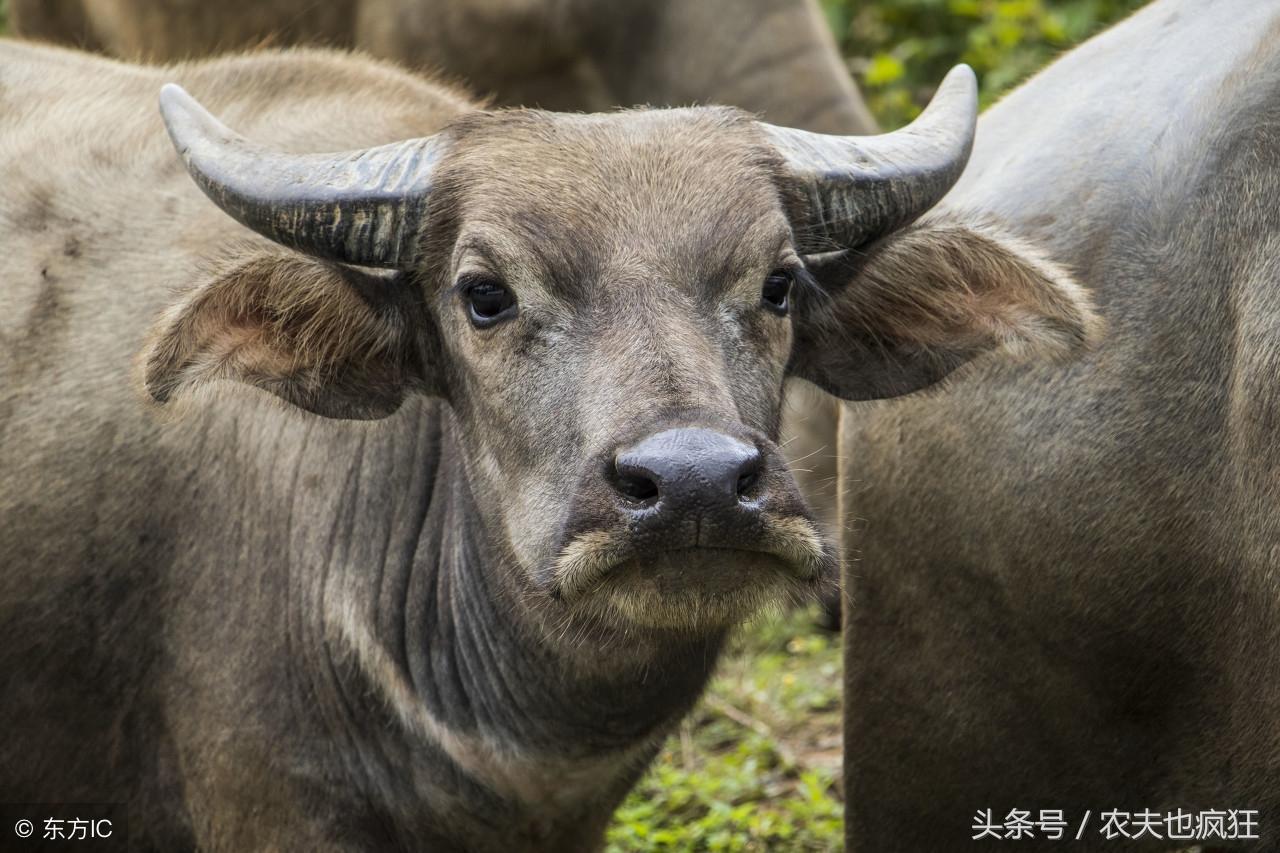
x=357 y=207
x=859 y=188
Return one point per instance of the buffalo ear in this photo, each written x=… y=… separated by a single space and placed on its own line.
x=330 y=339
x=924 y=301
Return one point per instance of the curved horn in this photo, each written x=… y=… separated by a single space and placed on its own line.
x=863 y=187
x=357 y=207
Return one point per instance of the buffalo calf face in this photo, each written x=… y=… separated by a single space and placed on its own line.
x=611 y=305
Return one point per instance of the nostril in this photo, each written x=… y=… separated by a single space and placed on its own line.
x=636 y=487
x=749 y=474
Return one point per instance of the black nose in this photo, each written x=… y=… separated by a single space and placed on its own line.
x=687 y=468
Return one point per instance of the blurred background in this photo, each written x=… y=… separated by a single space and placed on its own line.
x=757 y=767
x=898 y=50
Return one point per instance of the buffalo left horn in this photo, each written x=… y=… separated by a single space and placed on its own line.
x=357 y=207
x=859 y=188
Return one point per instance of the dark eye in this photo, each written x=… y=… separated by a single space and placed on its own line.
x=776 y=293
x=488 y=301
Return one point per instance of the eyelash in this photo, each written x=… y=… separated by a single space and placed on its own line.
x=488 y=300
x=776 y=292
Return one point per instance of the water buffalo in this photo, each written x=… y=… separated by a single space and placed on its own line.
x=773 y=57
x=1066 y=596
x=468 y=454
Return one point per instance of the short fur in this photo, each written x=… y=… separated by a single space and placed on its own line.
x=264 y=629
x=771 y=57
x=278 y=315
x=1066 y=591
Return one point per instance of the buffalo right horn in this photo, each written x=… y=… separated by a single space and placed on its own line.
x=357 y=207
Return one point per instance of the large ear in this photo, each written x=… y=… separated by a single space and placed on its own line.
x=924 y=301
x=328 y=338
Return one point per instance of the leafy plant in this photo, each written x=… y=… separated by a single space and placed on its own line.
x=898 y=50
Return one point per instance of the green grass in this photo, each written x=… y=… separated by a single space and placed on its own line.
x=757 y=765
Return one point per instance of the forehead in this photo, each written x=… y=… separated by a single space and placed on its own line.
x=693 y=189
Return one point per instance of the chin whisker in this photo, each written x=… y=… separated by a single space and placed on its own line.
x=802 y=543
x=603 y=580
x=584 y=561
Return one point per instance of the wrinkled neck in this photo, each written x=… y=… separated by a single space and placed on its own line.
x=444 y=635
